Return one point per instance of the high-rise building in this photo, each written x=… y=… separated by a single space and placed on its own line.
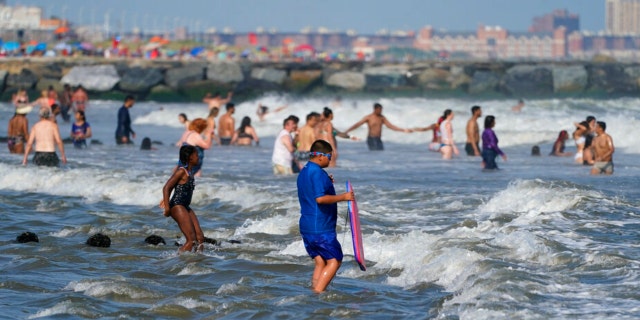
x=552 y=21
x=622 y=17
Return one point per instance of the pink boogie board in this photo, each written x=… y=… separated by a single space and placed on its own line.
x=356 y=234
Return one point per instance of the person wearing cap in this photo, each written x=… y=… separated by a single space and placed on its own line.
x=18 y=130
x=46 y=136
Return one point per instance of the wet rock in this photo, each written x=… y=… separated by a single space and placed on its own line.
x=99 y=240
x=528 y=80
x=26 y=79
x=140 y=80
x=99 y=78
x=347 y=80
x=27 y=237
x=154 y=240
x=225 y=72
x=178 y=77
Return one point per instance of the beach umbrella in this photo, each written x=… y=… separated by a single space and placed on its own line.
x=41 y=46
x=61 y=30
x=11 y=45
x=304 y=47
x=86 y=46
x=196 y=51
x=245 y=53
x=62 y=46
x=151 y=46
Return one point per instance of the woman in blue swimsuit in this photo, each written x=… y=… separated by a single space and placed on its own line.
x=182 y=184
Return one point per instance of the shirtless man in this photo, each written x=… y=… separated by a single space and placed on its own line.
x=307 y=136
x=603 y=150
x=226 y=125
x=46 y=135
x=473 y=133
x=374 y=121
x=79 y=99
x=215 y=100
x=518 y=107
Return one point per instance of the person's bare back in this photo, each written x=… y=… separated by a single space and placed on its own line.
x=226 y=123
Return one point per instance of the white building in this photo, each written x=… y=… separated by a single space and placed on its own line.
x=19 y=17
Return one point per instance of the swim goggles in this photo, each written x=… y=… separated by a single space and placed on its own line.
x=316 y=153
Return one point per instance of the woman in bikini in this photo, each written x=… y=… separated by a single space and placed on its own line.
x=246 y=134
x=579 y=136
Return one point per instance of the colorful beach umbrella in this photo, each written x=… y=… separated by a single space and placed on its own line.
x=61 y=30
x=11 y=45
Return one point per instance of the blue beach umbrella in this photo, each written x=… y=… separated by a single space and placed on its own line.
x=10 y=46
x=196 y=51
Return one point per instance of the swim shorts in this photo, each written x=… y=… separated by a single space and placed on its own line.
x=225 y=141
x=374 y=143
x=468 y=147
x=282 y=170
x=604 y=167
x=49 y=159
x=325 y=245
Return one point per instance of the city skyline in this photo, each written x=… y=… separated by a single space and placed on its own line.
x=292 y=16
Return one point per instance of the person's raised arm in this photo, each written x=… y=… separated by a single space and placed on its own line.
x=393 y=127
x=357 y=124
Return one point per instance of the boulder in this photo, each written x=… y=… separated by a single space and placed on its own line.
x=178 y=77
x=348 y=80
x=50 y=70
x=225 y=72
x=434 y=78
x=610 y=78
x=26 y=79
x=633 y=72
x=484 y=82
x=528 y=80
x=269 y=75
x=140 y=80
x=303 y=80
x=99 y=78
x=3 y=79
x=383 y=77
x=569 y=78
x=45 y=83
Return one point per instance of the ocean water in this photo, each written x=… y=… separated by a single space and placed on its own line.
x=540 y=239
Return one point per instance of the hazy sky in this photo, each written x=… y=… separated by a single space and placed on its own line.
x=363 y=16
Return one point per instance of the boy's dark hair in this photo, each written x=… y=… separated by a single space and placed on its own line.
x=311 y=115
x=185 y=153
x=321 y=146
x=146 y=144
x=474 y=109
x=327 y=112
x=129 y=98
x=230 y=105
x=292 y=118
x=602 y=125
x=590 y=118
x=377 y=106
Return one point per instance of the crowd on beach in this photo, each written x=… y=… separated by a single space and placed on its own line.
x=304 y=150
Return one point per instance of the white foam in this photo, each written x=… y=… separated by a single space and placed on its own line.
x=101 y=288
x=67 y=308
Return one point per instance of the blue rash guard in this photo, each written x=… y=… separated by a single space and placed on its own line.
x=314 y=182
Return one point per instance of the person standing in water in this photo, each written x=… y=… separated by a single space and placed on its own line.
x=472 y=147
x=603 y=150
x=490 y=149
x=447 y=146
x=80 y=130
x=374 y=121
x=182 y=184
x=319 y=215
x=124 y=133
x=226 y=125
x=46 y=136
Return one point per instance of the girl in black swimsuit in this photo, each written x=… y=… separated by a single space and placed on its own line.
x=182 y=185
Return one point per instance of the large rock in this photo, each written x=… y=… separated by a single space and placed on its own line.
x=348 y=80
x=434 y=78
x=633 y=72
x=100 y=78
x=527 y=80
x=26 y=79
x=225 y=72
x=269 y=75
x=567 y=79
x=3 y=78
x=45 y=83
x=303 y=80
x=140 y=80
x=178 y=77
x=610 y=78
x=384 y=77
x=484 y=82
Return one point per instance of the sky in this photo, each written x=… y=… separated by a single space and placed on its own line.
x=362 y=16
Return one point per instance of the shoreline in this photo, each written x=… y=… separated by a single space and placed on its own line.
x=188 y=81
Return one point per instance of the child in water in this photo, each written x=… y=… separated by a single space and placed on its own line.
x=319 y=213
x=182 y=184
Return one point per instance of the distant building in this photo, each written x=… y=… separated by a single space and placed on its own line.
x=495 y=43
x=19 y=17
x=622 y=17
x=555 y=20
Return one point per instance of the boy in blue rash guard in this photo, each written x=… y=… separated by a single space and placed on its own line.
x=319 y=213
